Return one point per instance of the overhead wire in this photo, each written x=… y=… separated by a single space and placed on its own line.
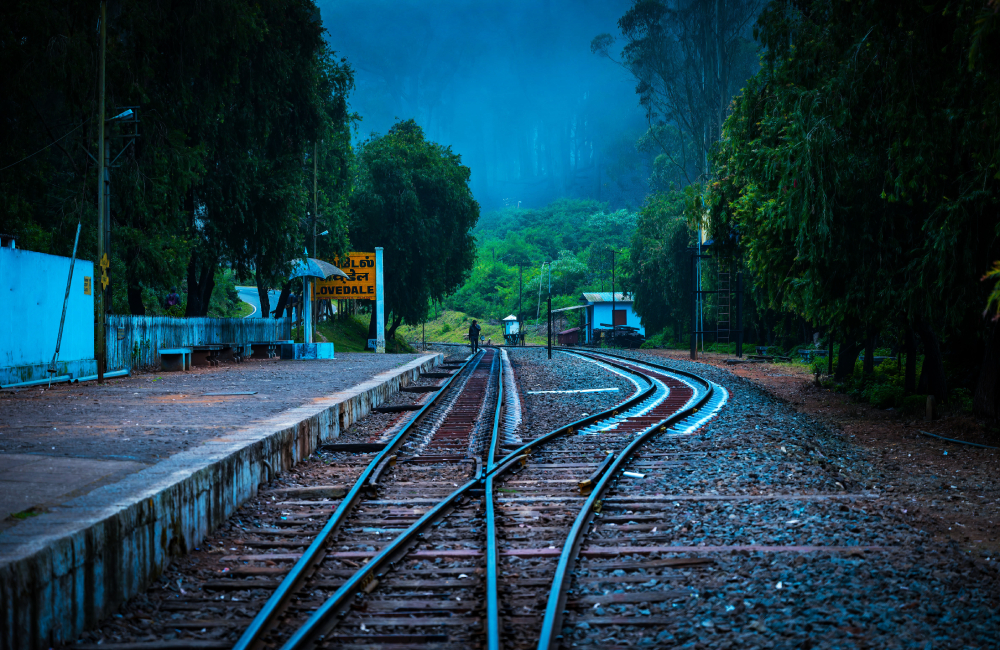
x=46 y=146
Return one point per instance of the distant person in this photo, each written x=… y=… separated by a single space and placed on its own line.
x=173 y=298
x=474 y=330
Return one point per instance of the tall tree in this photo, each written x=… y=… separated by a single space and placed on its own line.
x=689 y=58
x=412 y=198
x=856 y=169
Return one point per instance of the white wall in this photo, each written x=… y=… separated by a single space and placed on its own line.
x=32 y=287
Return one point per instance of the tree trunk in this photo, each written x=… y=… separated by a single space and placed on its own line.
x=372 y=325
x=391 y=334
x=868 y=367
x=910 y=347
x=279 y=311
x=849 y=349
x=201 y=282
x=263 y=295
x=986 y=401
x=932 y=375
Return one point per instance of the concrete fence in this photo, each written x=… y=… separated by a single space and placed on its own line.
x=135 y=341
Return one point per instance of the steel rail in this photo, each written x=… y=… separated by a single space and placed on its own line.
x=323 y=619
x=501 y=466
x=252 y=637
x=551 y=631
x=492 y=549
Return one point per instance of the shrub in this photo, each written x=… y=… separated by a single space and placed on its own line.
x=884 y=395
x=914 y=404
x=445 y=328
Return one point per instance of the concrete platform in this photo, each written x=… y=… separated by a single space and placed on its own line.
x=108 y=527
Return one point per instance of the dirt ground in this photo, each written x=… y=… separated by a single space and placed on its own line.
x=954 y=487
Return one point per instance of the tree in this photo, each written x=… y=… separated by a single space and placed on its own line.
x=231 y=98
x=856 y=169
x=659 y=264
x=412 y=198
x=689 y=58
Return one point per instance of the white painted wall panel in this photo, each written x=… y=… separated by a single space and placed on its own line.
x=32 y=287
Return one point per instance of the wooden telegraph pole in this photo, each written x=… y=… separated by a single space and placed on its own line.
x=100 y=308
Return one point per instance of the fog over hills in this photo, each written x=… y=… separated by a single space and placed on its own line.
x=511 y=86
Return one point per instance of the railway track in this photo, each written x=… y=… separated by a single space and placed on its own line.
x=442 y=540
x=427 y=586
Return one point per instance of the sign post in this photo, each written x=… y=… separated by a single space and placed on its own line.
x=379 y=304
x=307 y=329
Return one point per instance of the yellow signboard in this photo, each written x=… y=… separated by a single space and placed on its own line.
x=361 y=285
x=86 y=285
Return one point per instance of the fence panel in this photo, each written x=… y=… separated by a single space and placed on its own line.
x=135 y=341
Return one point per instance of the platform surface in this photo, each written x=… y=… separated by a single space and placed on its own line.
x=60 y=442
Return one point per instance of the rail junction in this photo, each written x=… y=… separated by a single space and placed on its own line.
x=457 y=524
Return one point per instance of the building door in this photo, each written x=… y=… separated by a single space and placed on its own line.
x=620 y=318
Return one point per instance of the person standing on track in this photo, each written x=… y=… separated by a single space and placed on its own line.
x=474 y=336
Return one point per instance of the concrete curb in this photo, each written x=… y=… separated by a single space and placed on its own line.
x=65 y=571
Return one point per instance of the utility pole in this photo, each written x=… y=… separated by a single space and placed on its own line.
x=315 y=197
x=549 y=301
x=613 y=337
x=102 y=255
x=315 y=213
x=520 y=290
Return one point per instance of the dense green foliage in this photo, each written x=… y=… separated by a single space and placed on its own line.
x=412 y=198
x=575 y=236
x=232 y=98
x=660 y=265
x=859 y=168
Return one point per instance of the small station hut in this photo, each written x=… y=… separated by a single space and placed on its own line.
x=511 y=330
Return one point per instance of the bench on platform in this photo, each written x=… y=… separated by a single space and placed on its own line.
x=236 y=352
x=205 y=355
x=175 y=359
x=264 y=349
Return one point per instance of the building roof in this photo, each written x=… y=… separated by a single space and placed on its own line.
x=605 y=296
x=511 y=317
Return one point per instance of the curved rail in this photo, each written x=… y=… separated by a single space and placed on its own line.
x=324 y=619
x=253 y=635
x=552 y=621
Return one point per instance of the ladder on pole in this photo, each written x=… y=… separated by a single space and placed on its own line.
x=722 y=321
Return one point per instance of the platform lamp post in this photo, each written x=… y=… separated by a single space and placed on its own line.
x=99 y=318
x=102 y=297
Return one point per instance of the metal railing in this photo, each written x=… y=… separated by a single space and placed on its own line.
x=135 y=341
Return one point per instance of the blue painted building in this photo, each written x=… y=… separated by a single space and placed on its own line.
x=599 y=316
x=32 y=288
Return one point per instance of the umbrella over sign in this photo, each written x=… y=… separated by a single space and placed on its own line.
x=311 y=267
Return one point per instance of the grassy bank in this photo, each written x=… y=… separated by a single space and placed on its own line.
x=453 y=327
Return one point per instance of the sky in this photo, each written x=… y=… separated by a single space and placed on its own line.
x=511 y=86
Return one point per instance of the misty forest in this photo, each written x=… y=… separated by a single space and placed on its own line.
x=840 y=158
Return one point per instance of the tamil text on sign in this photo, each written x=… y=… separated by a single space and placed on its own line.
x=360 y=268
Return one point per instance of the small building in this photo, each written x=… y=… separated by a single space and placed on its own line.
x=569 y=337
x=600 y=317
x=32 y=290
x=511 y=330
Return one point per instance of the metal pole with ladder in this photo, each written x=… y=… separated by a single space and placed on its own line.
x=723 y=327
